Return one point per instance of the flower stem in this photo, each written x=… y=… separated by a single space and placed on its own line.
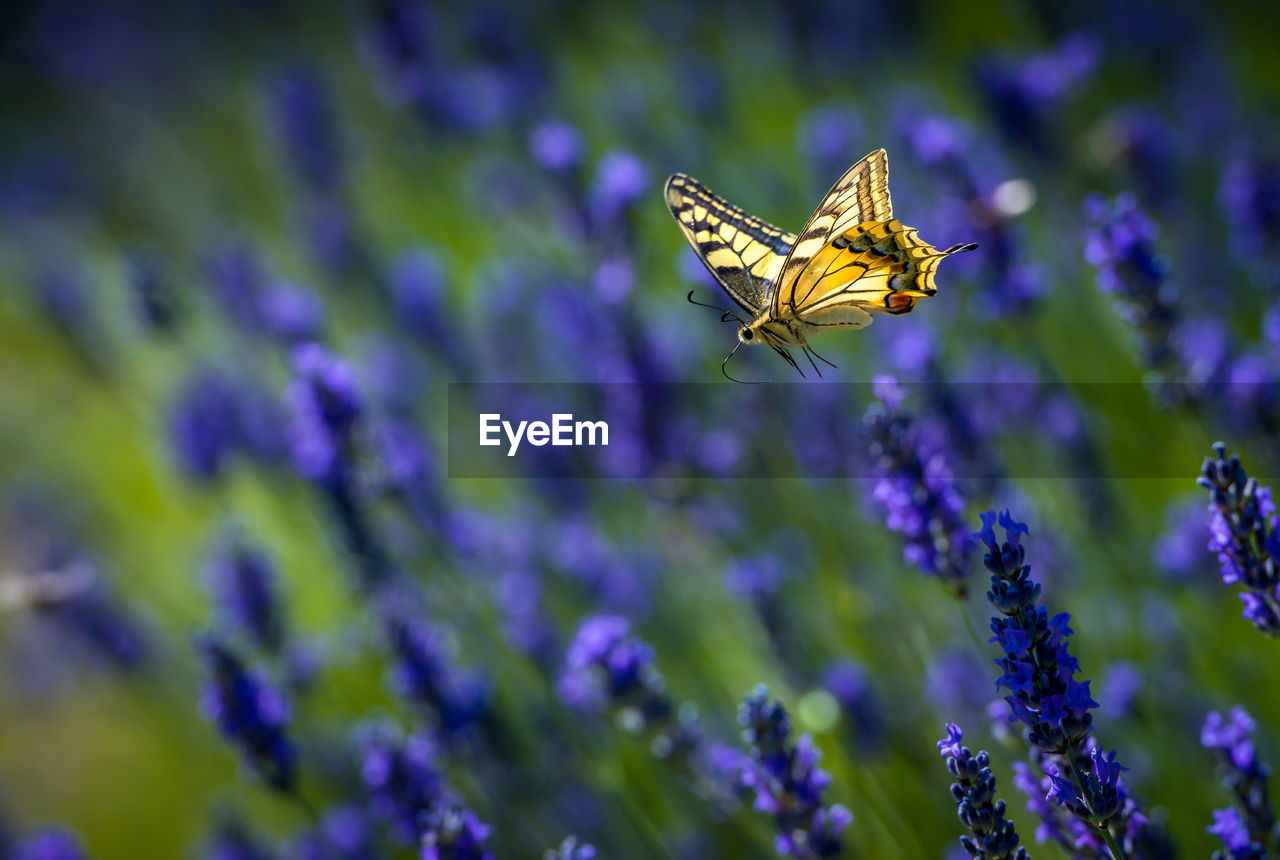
x=1114 y=845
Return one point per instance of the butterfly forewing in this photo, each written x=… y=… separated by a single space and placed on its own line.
x=861 y=195
x=744 y=253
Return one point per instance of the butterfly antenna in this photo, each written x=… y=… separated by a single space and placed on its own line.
x=725 y=315
x=960 y=249
x=725 y=370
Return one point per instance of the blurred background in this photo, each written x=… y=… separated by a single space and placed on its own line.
x=246 y=247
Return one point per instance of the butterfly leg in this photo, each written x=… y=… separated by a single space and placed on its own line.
x=820 y=358
x=787 y=357
x=809 y=354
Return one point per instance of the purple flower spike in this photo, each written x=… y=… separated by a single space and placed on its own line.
x=1254 y=833
x=787 y=782
x=974 y=790
x=1244 y=531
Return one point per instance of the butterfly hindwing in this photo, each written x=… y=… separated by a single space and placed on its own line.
x=879 y=266
x=860 y=195
x=743 y=252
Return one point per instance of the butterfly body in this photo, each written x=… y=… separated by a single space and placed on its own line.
x=851 y=260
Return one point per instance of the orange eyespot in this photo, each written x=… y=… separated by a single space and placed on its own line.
x=899 y=303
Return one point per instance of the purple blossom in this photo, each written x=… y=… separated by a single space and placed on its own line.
x=993 y=836
x=571 y=849
x=605 y=664
x=621 y=177
x=399 y=775
x=1245 y=533
x=850 y=685
x=292 y=313
x=249 y=712
x=1246 y=777
x=1022 y=95
x=237 y=280
x=1120 y=687
x=243 y=582
x=915 y=489
x=556 y=145
x=607 y=667
x=344 y=833
x=454 y=833
x=326 y=404
x=1249 y=195
x=1044 y=695
x=1179 y=552
x=1230 y=828
x=1120 y=245
x=788 y=784
x=52 y=844
x=232 y=840
x=204 y=427
x=420 y=672
x=304 y=121
x=397 y=44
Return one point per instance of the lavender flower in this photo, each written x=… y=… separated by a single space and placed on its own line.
x=1179 y=552
x=400 y=776
x=1056 y=825
x=606 y=666
x=203 y=428
x=63 y=296
x=344 y=833
x=53 y=844
x=417 y=279
x=1245 y=533
x=994 y=836
x=237 y=280
x=242 y=580
x=1246 y=778
x=851 y=687
x=1230 y=828
x=232 y=840
x=397 y=45
x=292 y=313
x=213 y=417
x=621 y=177
x=90 y=616
x=305 y=124
x=1249 y=195
x=326 y=406
x=556 y=146
x=421 y=674
x=454 y=833
x=249 y=712
x=1022 y=95
x=1039 y=673
x=787 y=782
x=916 y=490
x=571 y=849
x=1120 y=245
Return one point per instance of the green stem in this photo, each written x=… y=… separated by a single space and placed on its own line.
x=1114 y=844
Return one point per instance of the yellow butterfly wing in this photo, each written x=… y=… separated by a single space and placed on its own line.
x=743 y=252
x=854 y=257
x=862 y=194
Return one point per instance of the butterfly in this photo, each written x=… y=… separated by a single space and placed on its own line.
x=852 y=259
